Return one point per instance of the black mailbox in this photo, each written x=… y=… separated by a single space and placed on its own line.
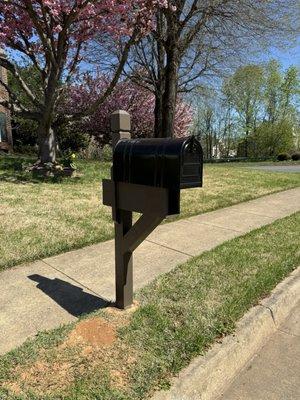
x=169 y=163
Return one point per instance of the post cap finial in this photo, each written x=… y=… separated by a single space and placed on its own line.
x=120 y=121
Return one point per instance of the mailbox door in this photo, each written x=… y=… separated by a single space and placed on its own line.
x=191 y=165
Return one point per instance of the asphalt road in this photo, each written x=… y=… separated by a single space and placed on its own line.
x=277 y=168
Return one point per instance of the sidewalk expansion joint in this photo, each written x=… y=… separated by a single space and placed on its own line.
x=218 y=226
x=253 y=213
x=73 y=279
x=271 y=312
x=288 y=333
x=170 y=248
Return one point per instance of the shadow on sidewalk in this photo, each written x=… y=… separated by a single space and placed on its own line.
x=72 y=298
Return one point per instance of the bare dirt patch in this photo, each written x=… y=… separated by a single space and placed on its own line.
x=95 y=332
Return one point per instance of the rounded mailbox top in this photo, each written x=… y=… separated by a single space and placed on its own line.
x=161 y=145
x=161 y=162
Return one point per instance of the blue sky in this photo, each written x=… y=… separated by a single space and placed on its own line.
x=287 y=57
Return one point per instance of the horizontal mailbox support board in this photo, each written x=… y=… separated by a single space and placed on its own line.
x=137 y=198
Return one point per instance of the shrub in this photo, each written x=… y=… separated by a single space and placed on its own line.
x=71 y=140
x=68 y=137
x=296 y=156
x=92 y=152
x=68 y=160
x=283 y=157
x=24 y=133
x=271 y=139
x=26 y=149
x=107 y=153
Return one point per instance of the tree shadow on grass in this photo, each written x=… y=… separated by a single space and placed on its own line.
x=18 y=178
x=24 y=178
x=13 y=170
x=70 y=297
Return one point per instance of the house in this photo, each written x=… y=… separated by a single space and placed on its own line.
x=6 y=141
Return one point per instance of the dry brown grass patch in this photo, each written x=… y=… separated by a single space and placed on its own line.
x=91 y=348
x=42 y=377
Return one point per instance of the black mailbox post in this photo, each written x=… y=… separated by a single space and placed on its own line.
x=147 y=176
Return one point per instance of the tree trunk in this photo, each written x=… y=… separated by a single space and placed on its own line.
x=160 y=82
x=246 y=143
x=158 y=112
x=170 y=93
x=47 y=143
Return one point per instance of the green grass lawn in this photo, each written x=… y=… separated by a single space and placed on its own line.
x=178 y=317
x=41 y=219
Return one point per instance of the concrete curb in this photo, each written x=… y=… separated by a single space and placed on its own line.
x=207 y=376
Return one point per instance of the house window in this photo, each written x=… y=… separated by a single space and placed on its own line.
x=3 y=131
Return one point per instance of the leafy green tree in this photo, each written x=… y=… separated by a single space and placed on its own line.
x=278 y=132
x=280 y=92
x=273 y=138
x=272 y=92
x=245 y=91
x=290 y=90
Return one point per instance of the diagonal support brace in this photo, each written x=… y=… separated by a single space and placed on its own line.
x=140 y=230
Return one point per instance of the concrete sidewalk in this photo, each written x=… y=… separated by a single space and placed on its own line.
x=57 y=290
x=274 y=372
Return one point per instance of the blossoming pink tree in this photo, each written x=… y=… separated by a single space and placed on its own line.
x=53 y=36
x=128 y=96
